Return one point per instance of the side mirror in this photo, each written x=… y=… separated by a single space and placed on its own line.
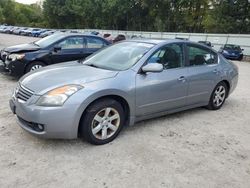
x=152 y=67
x=242 y=49
x=57 y=48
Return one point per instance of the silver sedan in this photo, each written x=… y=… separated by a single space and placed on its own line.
x=121 y=85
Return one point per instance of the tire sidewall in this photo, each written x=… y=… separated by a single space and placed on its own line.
x=86 y=123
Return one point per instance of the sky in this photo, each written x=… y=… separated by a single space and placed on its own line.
x=26 y=1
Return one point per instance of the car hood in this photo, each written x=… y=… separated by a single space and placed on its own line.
x=22 y=48
x=59 y=75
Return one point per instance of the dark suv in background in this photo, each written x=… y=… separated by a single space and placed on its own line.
x=57 y=48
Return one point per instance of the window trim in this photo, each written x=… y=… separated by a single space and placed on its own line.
x=96 y=38
x=187 y=63
x=66 y=38
x=182 y=45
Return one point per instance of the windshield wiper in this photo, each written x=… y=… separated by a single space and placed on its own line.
x=35 y=44
x=92 y=65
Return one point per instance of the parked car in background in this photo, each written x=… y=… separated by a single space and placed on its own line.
x=37 y=33
x=207 y=43
x=108 y=37
x=56 y=48
x=47 y=33
x=119 y=38
x=180 y=38
x=13 y=29
x=94 y=33
x=3 y=28
x=29 y=31
x=232 y=51
x=17 y=30
x=23 y=31
x=122 y=84
x=8 y=29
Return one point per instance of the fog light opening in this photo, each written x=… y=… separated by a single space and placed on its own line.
x=40 y=127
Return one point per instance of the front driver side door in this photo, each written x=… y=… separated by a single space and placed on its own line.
x=167 y=90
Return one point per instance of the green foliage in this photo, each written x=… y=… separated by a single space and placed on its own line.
x=159 y=15
x=213 y=16
x=13 y=13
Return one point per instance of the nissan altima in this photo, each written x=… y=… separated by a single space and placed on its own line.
x=121 y=85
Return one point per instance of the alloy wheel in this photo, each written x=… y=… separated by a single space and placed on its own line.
x=35 y=67
x=219 y=96
x=105 y=123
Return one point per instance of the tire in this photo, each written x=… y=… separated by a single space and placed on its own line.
x=241 y=58
x=218 y=96
x=97 y=126
x=34 y=66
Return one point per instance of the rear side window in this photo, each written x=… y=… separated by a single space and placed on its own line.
x=200 y=56
x=93 y=42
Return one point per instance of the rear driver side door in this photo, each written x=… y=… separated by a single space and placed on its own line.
x=203 y=73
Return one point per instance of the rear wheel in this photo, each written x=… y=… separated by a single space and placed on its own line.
x=102 y=121
x=34 y=66
x=218 y=96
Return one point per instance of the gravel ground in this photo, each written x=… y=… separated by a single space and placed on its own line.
x=195 y=148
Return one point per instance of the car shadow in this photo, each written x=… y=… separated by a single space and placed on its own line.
x=136 y=129
x=169 y=117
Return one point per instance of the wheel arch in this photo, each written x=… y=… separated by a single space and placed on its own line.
x=228 y=86
x=33 y=61
x=118 y=98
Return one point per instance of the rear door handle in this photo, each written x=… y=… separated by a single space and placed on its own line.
x=182 y=79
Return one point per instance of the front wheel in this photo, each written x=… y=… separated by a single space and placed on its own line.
x=102 y=121
x=34 y=66
x=218 y=96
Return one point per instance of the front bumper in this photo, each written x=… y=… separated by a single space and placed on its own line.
x=233 y=57
x=57 y=122
x=15 y=68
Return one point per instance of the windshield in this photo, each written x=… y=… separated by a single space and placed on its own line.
x=232 y=47
x=121 y=56
x=47 y=41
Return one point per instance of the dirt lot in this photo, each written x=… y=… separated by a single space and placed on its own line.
x=196 y=148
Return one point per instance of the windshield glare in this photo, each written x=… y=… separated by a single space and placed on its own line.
x=121 y=56
x=47 y=41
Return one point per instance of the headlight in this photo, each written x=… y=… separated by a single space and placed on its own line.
x=14 y=57
x=225 y=52
x=58 y=96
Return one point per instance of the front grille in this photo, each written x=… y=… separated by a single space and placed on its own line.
x=23 y=93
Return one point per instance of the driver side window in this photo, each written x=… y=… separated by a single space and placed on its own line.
x=170 y=56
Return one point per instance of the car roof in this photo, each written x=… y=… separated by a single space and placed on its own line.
x=169 y=41
x=156 y=41
x=77 y=34
x=163 y=41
